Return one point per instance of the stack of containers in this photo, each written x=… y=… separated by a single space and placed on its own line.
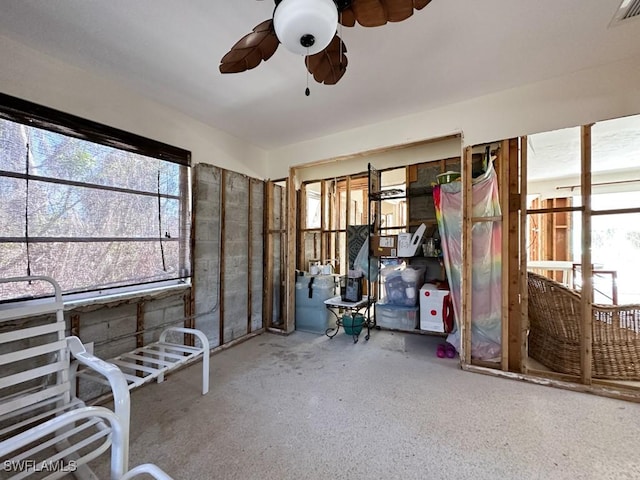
x=398 y=305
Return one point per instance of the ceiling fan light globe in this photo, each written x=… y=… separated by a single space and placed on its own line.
x=294 y=20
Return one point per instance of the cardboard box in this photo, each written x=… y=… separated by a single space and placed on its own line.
x=384 y=246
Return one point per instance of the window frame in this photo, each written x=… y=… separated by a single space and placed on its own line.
x=38 y=116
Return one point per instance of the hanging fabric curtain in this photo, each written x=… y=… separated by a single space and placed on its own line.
x=486 y=307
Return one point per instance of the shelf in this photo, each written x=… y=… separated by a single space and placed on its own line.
x=387 y=194
x=396 y=193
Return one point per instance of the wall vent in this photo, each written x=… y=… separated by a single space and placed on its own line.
x=628 y=9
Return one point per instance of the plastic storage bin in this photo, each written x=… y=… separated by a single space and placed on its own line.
x=400 y=286
x=312 y=314
x=396 y=317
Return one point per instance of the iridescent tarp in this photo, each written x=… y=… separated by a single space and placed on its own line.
x=486 y=256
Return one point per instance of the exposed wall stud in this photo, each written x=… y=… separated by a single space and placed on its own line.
x=524 y=290
x=223 y=231
x=140 y=324
x=587 y=267
x=503 y=191
x=512 y=231
x=267 y=313
x=467 y=212
x=289 y=239
x=249 y=255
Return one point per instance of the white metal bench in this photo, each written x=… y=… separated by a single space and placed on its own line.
x=154 y=360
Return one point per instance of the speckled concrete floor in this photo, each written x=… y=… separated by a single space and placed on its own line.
x=306 y=407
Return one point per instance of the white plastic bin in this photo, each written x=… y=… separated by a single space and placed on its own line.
x=436 y=310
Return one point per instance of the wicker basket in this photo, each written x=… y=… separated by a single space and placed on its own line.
x=554 y=332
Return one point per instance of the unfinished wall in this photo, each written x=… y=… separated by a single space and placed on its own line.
x=235 y=256
x=279 y=195
x=206 y=250
x=257 y=253
x=228 y=254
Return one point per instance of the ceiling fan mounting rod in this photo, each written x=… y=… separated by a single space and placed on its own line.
x=340 y=4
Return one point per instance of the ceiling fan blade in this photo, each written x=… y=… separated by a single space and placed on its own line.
x=399 y=10
x=369 y=13
x=250 y=50
x=374 y=13
x=420 y=4
x=347 y=18
x=329 y=65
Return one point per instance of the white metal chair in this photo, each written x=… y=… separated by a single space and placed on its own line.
x=25 y=447
x=37 y=394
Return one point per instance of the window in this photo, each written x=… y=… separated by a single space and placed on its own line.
x=95 y=208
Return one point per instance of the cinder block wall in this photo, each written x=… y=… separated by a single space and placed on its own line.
x=228 y=253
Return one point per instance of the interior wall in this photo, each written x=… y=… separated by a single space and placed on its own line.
x=394 y=158
x=228 y=254
x=590 y=95
x=36 y=77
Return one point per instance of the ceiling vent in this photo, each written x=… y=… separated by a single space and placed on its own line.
x=628 y=9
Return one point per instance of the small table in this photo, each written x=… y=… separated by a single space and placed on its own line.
x=353 y=308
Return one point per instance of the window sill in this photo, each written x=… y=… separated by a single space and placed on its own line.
x=125 y=297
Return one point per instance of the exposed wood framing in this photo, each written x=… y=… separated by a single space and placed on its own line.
x=323 y=226
x=223 y=222
x=74 y=318
x=302 y=221
x=514 y=318
x=616 y=211
x=249 y=255
x=267 y=310
x=409 y=173
x=289 y=240
x=554 y=209
x=467 y=212
x=609 y=390
x=587 y=267
x=347 y=216
x=284 y=250
x=503 y=191
x=189 y=319
x=140 y=324
x=524 y=289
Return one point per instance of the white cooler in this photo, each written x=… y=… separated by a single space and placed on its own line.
x=436 y=310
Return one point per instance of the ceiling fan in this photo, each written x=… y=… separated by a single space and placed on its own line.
x=308 y=27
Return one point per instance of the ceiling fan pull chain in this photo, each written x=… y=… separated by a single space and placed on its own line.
x=340 y=27
x=307 y=92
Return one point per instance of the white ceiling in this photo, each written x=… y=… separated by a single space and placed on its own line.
x=452 y=50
